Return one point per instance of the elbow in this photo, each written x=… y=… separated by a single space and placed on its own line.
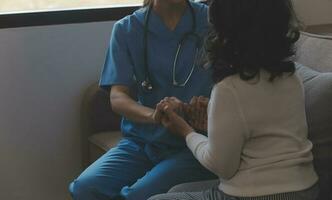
x=118 y=98
x=114 y=108
x=225 y=170
x=222 y=168
x=115 y=104
x=226 y=174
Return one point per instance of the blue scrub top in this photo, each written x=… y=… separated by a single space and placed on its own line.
x=125 y=59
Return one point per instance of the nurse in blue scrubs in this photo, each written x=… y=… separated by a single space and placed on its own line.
x=156 y=50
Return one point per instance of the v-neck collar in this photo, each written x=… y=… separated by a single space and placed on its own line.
x=158 y=27
x=181 y=27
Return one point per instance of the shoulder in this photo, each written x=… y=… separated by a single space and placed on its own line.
x=130 y=22
x=201 y=12
x=233 y=85
x=200 y=8
x=260 y=84
x=224 y=86
x=228 y=82
x=120 y=27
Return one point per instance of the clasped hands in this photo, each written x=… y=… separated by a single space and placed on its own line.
x=182 y=118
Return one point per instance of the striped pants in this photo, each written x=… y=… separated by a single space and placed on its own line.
x=215 y=194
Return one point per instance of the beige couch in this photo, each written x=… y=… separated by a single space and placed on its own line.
x=100 y=126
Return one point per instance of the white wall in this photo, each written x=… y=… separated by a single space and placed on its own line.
x=314 y=12
x=43 y=72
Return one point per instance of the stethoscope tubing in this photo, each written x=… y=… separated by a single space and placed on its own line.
x=147 y=83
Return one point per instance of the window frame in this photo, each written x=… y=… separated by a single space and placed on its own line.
x=67 y=16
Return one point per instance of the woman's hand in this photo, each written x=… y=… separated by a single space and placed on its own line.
x=196 y=112
x=172 y=121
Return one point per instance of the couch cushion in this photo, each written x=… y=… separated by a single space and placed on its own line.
x=318 y=101
x=315 y=51
x=106 y=140
x=195 y=186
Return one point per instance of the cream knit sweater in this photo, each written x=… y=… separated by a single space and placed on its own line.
x=257 y=137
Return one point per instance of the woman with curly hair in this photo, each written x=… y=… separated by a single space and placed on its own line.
x=257 y=133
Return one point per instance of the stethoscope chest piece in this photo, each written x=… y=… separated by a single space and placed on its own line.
x=147 y=86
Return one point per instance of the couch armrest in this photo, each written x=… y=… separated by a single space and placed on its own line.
x=96 y=112
x=96 y=116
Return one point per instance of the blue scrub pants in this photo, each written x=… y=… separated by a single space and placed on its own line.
x=131 y=172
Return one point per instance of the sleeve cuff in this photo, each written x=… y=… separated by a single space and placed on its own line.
x=194 y=140
x=190 y=136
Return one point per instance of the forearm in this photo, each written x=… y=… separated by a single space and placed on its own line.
x=221 y=151
x=198 y=144
x=125 y=106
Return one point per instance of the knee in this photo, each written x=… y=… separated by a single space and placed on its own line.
x=79 y=189
x=92 y=188
x=83 y=189
x=71 y=189
x=161 y=197
x=155 y=197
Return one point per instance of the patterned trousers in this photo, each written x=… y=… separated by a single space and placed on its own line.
x=215 y=194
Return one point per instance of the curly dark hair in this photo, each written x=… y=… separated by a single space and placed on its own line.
x=250 y=35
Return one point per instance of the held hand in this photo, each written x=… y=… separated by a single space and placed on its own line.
x=157 y=115
x=196 y=112
x=174 y=103
x=173 y=122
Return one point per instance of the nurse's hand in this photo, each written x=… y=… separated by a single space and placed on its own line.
x=157 y=115
x=172 y=121
x=175 y=104
x=196 y=113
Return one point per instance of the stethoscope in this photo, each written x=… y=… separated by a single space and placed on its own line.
x=146 y=83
